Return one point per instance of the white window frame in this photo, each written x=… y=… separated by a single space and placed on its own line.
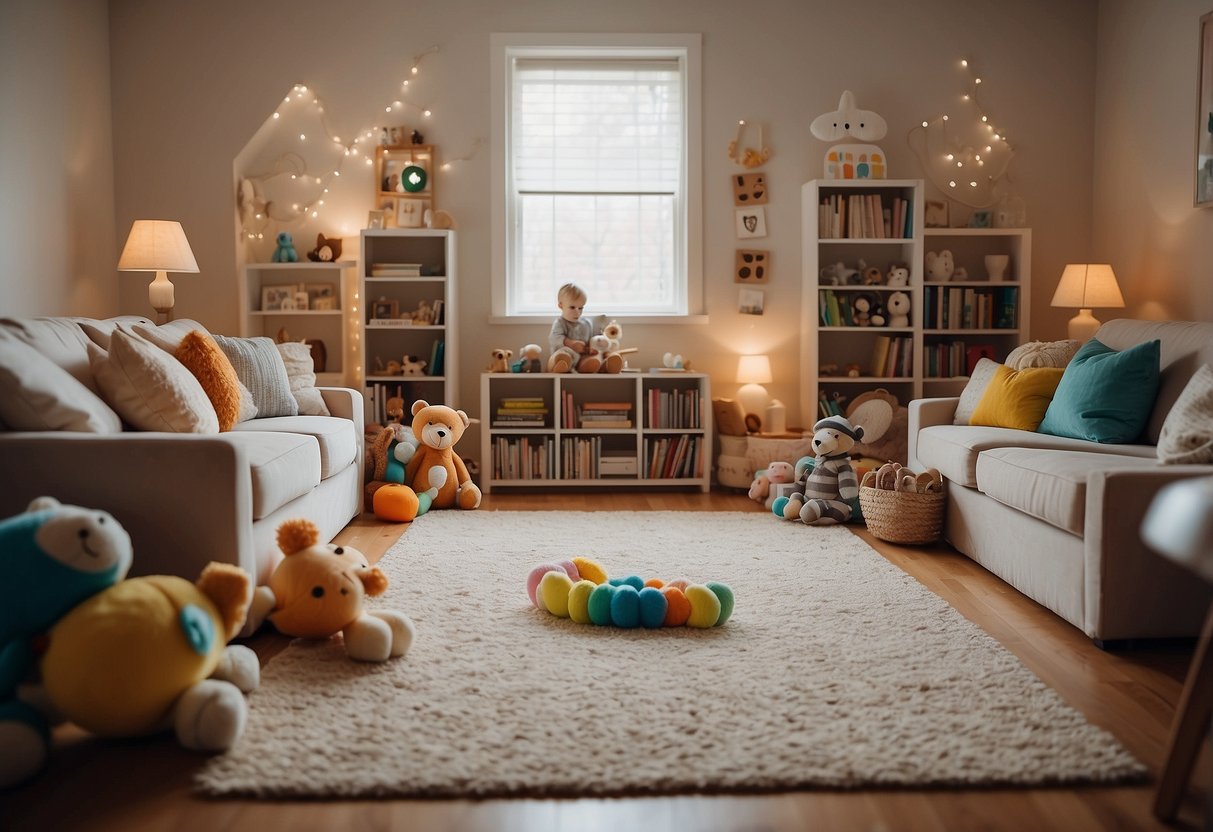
x=504 y=49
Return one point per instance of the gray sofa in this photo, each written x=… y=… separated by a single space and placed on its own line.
x=1059 y=519
x=189 y=498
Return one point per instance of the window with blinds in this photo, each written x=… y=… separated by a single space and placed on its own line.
x=596 y=188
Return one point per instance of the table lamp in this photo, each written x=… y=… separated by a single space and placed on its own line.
x=1086 y=286
x=158 y=246
x=753 y=371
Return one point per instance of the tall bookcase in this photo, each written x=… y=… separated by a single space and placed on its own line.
x=308 y=301
x=931 y=355
x=399 y=270
x=601 y=430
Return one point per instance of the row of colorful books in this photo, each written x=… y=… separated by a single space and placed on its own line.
x=673 y=408
x=892 y=356
x=957 y=307
x=524 y=458
x=674 y=457
x=865 y=216
x=521 y=412
x=951 y=359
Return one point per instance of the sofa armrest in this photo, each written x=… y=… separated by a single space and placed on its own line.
x=129 y=475
x=1122 y=573
x=348 y=404
x=925 y=413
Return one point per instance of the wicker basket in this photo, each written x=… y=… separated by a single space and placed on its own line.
x=902 y=516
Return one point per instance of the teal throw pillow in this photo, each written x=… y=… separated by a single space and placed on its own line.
x=1105 y=396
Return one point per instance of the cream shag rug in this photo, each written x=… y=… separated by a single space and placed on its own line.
x=836 y=670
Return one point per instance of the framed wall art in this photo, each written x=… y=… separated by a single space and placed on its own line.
x=1204 y=116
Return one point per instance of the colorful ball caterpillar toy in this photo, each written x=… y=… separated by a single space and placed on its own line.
x=579 y=589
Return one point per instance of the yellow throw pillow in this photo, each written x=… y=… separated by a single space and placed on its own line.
x=210 y=365
x=1017 y=398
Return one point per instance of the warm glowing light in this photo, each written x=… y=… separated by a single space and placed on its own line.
x=427 y=113
x=964 y=62
x=277 y=115
x=303 y=137
x=952 y=184
x=949 y=157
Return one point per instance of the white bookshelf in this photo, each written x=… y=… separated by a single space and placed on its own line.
x=331 y=326
x=433 y=251
x=565 y=451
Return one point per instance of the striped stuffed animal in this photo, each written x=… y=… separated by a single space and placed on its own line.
x=824 y=488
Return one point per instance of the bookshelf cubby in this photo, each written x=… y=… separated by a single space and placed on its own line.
x=600 y=430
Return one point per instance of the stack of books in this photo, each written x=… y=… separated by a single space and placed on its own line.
x=521 y=412
x=605 y=415
x=395 y=270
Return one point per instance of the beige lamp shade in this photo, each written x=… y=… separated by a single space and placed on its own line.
x=158 y=246
x=754 y=369
x=1087 y=286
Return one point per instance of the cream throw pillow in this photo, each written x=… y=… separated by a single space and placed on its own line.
x=300 y=372
x=149 y=388
x=169 y=336
x=1042 y=354
x=260 y=368
x=970 y=397
x=38 y=394
x=1187 y=432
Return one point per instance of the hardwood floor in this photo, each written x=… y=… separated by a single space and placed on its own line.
x=145 y=784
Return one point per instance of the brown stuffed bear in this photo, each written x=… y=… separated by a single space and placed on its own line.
x=432 y=467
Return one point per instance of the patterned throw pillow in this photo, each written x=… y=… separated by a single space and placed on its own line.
x=260 y=368
x=202 y=357
x=300 y=370
x=1042 y=354
x=1187 y=432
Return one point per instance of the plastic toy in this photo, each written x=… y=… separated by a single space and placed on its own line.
x=285 y=252
x=580 y=590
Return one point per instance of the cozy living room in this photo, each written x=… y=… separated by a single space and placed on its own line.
x=565 y=415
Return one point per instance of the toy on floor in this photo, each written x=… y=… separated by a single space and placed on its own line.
x=775 y=472
x=55 y=557
x=825 y=488
x=386 y=494
x=285 y=252
x=432 y=466
x=318 y=591
x=580 y=590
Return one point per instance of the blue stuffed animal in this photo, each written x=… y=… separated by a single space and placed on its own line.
x=285 y=253
x=55 y=556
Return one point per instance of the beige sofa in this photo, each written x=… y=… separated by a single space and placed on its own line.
x=1059 y=519
x=187 y=498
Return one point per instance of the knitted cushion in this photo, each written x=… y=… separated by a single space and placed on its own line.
x=1042 y=354
x=260 y=368
x=1187 y=433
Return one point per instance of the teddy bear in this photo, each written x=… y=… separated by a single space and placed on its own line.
x=326 y=251
x=318 y=590
x=56 y=556
x=899 y=309
x=432 y=468
x=529 y=359
x=861 y=310
x=899 y=275
x=412 y=365
x=285 y=252
x=775 y=472
x=501 y=360
x=826 y=483
x=940 y=266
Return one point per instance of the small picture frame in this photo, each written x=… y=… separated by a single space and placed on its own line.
x=751 y=265
x=301 y=300
x=750 y=302
x=317 y=292
x=981 y=219
x=277 y=298
x=325 y=304
x=751 y=222
x=935 y=213
x=385 y=308
x=374 y=219
x=410 y=213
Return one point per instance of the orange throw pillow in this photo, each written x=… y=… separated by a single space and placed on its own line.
x=208 y=363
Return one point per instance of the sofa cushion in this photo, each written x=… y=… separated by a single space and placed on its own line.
x=979 y=379
x=1105 y=396
x=1050 y=485
x=953 y=449
x=338 y=443
x=199 y=354
x=283 y=466
x=1187 y=433
x=301 y=374
x=59 y=339
x=1017 y=398
x=260 y=368
x=149 y=388
x=37 y=394
x=1042 y=354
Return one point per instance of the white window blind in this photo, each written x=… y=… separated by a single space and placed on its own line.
x=597 y=183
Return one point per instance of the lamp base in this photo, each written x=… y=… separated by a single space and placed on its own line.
x=1083 y=326
x=164 y=314
x=753 y=399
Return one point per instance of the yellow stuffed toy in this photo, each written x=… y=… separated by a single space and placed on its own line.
x=317 y=591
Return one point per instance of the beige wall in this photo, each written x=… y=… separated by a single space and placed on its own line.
x=57 y=247
x=1145 y=120
x=192 y=83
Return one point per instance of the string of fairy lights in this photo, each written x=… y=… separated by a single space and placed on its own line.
x=966 y=161
x=293 y=187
